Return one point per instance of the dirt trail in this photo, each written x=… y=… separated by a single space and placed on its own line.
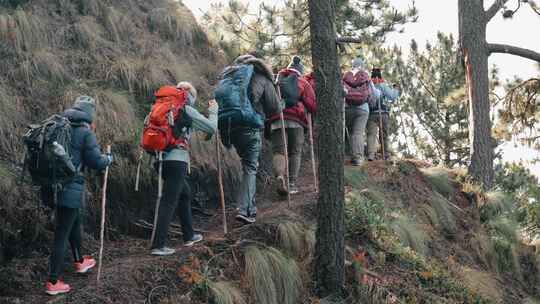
x=129 y=258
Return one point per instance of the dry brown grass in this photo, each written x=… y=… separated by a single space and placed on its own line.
x=11 y=122
x=225 y=293
x=120 y=27
x=23 y=31
x=272 y=277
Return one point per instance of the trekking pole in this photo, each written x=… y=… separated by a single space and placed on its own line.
x=160 y=193
x=313 y=165
x=220 y=183
x=381 y=132
x=285 y=148
x=103 y=205
x=137 y=178
x=286 y=154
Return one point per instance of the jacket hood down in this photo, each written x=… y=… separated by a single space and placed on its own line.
x=260 y=66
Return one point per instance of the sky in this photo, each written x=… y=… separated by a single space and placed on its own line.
x=442 y=15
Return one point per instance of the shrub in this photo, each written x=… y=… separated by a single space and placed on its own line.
x=364 y=216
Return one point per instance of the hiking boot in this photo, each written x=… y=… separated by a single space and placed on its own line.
x=195 y=239
x=86 y=264
x=245 y=219
x=281 y=186
x=371 y=157
x=356 y=162
x=293 y=189
x=163 y=251
x=58 y=288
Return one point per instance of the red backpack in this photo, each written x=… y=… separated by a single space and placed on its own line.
x=158 y=132
x=357 y=86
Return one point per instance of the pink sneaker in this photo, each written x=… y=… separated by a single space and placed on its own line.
x=86 y=264
x=58 y=288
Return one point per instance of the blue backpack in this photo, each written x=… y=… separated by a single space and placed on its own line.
x=231 y=94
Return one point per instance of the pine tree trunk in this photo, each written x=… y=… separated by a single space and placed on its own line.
x=329 y=250
x=472 y=30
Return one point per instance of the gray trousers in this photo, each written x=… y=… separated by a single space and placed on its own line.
x=356 y=120
x=373 y=133
x=295 y=145
x=248 y=144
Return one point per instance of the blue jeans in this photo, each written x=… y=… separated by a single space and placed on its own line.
x=248 y=145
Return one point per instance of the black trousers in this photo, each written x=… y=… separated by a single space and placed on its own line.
x=176 y=196
x=68 y=228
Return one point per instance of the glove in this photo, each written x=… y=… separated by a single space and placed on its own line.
x=109 y=159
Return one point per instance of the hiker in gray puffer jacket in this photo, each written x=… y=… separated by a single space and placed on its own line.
x=85 y=153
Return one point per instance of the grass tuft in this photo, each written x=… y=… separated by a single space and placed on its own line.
x=410 y=234
x=445 y=215
x=225 y=293
x=497 y=203
x=296 y=239
x=440 y=180
x=272 y=277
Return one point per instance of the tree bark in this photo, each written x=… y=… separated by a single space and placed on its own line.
x=329 y=249
x=472 y=31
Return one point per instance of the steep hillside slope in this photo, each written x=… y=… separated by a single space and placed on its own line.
x=118 y=52
x=415 y=234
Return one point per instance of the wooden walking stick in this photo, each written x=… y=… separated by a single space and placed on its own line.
x=103 y=205
x=220 y=182
x=313 y=164
x=381 y=132
x=158 y=200
x=137 y=178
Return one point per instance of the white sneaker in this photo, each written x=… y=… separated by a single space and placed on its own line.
x=195 y=239
x=163 y=251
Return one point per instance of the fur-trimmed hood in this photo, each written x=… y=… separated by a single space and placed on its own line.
x=260 y=66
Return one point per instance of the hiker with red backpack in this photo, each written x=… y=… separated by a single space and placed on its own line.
x=359 y=94
x=299 y=99
x=379 y=116
x=58 y=151
x=246 y=96
x=166 y=134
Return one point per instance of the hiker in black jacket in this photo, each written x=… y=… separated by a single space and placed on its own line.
x=85 y=153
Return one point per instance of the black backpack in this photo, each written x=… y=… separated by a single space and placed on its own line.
x=48 y=157
x=290 y=92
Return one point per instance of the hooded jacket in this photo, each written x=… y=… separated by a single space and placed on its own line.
x=85 y=153
x=307 y=101
x=262 y=92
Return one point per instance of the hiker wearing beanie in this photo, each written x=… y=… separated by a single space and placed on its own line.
x=85 y=153
x=379 y=115
x=246 y=96
x=176 y=190
x=299 y=99
x=359 y=93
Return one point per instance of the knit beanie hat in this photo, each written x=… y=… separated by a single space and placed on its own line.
x=376 y=73
x=86 y=104
x=184 y=85
x=357 y=63
x=296 y=64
